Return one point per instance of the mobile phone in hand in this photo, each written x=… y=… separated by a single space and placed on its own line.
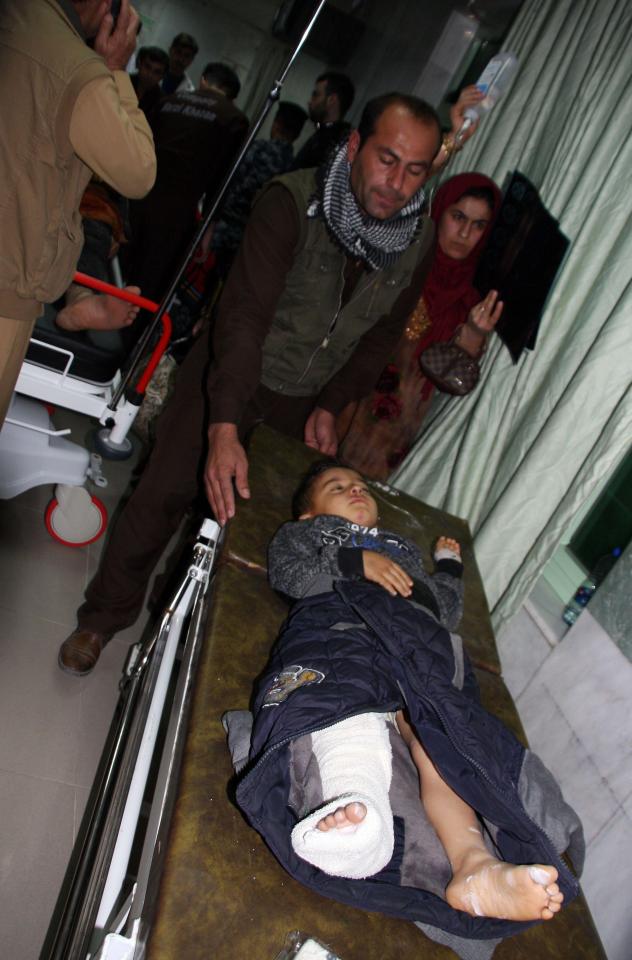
x=115 y=9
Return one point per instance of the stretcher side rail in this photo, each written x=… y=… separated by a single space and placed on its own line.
x=105 y=890
x=222 y=893
x=33 y=452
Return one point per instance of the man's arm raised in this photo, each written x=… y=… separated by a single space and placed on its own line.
x=108 y=130
x=226 y=461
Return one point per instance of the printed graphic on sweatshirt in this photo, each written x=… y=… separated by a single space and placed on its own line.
x=289 y=680
x=366 y=538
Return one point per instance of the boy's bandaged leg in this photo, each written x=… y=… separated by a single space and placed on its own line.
x=355 y=764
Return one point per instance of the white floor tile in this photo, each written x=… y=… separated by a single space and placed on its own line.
x=591 y=680
x=522 y=650
x=546 y=608
x=554 y=740
x=37 y=819
x=39 y=704
x=610 y=855
x=37 y=574
x=54 y=724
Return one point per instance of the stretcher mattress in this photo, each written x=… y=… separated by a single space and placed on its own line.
x=97 y=355
x=222 y=894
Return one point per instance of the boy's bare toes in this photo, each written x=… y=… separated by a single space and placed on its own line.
x=448 y=543
x=346 y=816
x=512 y=892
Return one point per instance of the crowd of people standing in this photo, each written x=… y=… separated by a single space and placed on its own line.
x=333 y=277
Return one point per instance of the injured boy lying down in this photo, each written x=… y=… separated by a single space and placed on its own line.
x=374 y=774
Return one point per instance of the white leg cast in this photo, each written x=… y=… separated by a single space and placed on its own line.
x=355 y=763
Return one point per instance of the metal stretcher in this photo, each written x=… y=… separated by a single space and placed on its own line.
x=31 y=450
x=191 y=878
x=69 y=370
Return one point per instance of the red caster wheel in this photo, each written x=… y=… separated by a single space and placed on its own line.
x=74 y=517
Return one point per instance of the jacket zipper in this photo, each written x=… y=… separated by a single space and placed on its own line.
x=330 y=329
x=332 y=326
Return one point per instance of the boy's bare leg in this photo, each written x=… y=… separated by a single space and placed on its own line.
x=481 y=884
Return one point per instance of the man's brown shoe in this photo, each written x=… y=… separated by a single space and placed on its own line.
x=80 y=651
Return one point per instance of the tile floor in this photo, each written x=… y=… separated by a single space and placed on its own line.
x=54 y=725
x=575 y=701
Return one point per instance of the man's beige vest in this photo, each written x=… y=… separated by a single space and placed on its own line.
x=311 y=336
x=44 y=63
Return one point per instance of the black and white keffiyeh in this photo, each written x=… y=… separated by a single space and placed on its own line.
x=378 y=242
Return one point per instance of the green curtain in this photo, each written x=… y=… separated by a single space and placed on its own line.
x=519 y=456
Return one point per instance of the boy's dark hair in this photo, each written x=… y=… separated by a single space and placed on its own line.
x=185 y=40
x=302 y=499
x=340 y=85
x=155 y=54
x=291 y=119
x=223 y=77
x=374 y=109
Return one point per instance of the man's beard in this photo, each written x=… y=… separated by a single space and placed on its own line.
x=379 y=243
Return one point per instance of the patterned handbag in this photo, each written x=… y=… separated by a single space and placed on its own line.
x=450 y=367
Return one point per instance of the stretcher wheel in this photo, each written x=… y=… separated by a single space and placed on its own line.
x=109 y=450
x=74 y=517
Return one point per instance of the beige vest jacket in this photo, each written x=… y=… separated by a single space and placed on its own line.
x=44 y=63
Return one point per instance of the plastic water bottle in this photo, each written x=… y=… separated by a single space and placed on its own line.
x=494 y=82
x=588 y=586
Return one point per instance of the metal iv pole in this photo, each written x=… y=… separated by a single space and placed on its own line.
x=165 y=303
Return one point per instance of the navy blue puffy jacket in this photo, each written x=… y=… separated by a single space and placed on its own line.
x=390 y=654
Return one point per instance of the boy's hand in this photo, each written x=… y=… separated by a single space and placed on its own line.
x=385 y=572
x=226 y=461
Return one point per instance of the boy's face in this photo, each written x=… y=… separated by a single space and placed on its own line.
x=343 y=493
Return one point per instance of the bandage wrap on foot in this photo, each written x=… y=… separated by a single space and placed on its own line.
x=355 y=764
x=445 y=553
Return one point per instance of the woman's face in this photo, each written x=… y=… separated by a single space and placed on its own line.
x=462 y=225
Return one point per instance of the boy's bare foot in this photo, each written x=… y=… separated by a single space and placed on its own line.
x=347 y=816
x=486 y=887
x=447 y=543
x=98 y=312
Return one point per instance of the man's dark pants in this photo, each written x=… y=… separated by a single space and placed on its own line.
x=168 y=486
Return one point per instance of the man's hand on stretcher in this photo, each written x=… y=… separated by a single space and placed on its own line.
x=227 y=461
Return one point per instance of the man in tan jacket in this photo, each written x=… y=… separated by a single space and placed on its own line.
x=68 y=111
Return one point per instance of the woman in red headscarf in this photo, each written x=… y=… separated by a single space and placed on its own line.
x=386 y=422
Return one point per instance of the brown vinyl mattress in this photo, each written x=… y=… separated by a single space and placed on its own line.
x=222 y=895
